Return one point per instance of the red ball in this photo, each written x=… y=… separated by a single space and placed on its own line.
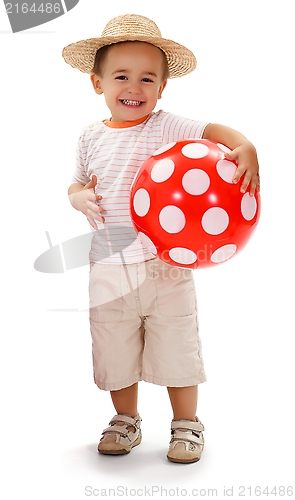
x=185 y=207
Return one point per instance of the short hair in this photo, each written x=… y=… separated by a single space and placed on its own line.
x=101 y=55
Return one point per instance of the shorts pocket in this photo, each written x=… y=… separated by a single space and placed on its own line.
x=106 y=302
x=175 y=289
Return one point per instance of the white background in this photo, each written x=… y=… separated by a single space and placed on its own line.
x=52 y=413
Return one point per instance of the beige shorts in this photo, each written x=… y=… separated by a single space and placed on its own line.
x=144 y=326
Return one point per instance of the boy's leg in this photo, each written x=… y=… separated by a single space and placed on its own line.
x=187 y=439
x=184 y=402
x=125 y=401
x=116 y=439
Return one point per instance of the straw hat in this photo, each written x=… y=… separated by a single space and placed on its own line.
x=130 y=27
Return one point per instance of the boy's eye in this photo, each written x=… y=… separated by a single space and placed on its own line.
x=121 y=77
x=147 y=80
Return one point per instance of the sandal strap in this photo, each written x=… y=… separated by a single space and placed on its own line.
x=127 y=420
x=179 y=435
x=188 y=425
x=116 y=429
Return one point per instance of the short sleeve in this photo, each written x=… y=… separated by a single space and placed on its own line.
x=176 y=128
x=80 y=173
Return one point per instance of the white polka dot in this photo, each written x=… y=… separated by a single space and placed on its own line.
x=162 y=170
x=223 y=253
x=248 y=206
x=147 y=242
x=165 y=148
x=182 y=255
x=195 y=181
x=223 y=148
x=226 y=169
x=215 y=220
x=195 y=150
x=172 y=219
x=141 y=202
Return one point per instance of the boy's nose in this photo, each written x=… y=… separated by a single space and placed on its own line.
x=134 y=88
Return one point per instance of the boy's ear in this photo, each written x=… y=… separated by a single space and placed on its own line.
x=96 y=83
x=161 y=89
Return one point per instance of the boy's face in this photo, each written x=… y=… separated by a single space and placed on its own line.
x=131 y=80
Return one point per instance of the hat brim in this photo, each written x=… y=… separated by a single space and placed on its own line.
x=81 y=55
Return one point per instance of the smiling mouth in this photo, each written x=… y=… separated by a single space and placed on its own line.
x=131 y=103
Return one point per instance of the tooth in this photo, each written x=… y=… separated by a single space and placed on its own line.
x=131 y=103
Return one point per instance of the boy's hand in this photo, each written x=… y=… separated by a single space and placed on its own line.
x=246 y=158
x=85 y=200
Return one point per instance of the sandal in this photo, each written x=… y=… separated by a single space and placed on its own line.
x=187 y=441
x=117 y=439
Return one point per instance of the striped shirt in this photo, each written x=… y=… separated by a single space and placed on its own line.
x=114 y=153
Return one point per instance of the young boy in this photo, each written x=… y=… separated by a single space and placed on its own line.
x=143 y=320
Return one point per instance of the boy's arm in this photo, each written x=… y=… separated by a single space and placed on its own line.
x=83 y=198
x=243 y=152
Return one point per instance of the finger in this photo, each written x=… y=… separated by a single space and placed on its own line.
x=94 y=211
x=252 y=188
x=96 y=217
x=94 y=180
x=90 y=198
x=255 y=185
x=230 y=155
x=93 y=218
x=258 y=186
x=246 y=182
x=92 y=183
x=92 y=223
x=238 y=174
x=88 y=185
